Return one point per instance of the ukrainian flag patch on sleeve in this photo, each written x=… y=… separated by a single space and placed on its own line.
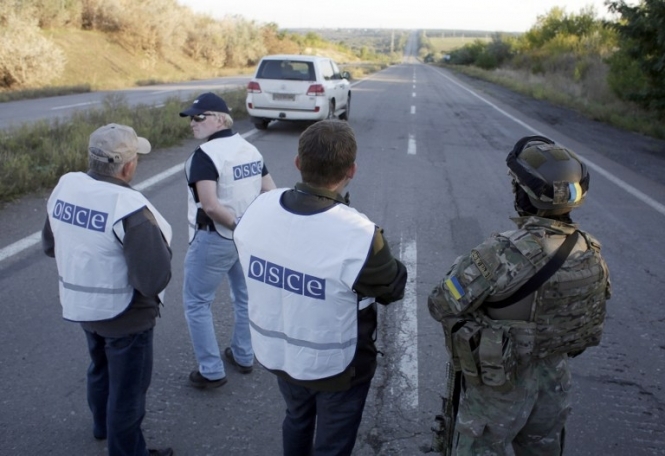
x=455 y=288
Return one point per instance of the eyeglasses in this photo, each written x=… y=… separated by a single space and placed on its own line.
x=200 y=117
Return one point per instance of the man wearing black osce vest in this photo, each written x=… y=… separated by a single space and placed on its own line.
x=112 y=251
x=315 y=269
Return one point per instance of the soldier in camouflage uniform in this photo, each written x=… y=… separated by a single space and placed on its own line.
x=512 y=349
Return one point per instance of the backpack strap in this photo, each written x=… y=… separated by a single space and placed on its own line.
x=540 y=277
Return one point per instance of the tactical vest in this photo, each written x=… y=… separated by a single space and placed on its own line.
x=240 y=168
x=85 y=216
x=303 y=310
x=569 y=308
x=568 y=312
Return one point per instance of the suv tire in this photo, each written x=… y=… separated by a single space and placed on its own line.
x=260 y=124
x=345 y=114
x=331 y=109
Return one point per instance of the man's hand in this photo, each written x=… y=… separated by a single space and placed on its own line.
x=207 y=191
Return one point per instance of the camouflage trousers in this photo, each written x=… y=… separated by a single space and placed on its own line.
x=526 y=421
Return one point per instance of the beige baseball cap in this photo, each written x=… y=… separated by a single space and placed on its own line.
x=114 y=143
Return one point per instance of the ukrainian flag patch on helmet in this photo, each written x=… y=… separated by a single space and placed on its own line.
x=575 y=192
x=455 y=288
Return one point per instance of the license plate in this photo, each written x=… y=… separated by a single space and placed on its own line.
x=283 y=96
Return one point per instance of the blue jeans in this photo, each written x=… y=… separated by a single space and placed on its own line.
x=209 y=258
x=336 y=417
x=118 y=380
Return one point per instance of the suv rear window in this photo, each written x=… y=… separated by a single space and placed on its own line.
x=286 y=69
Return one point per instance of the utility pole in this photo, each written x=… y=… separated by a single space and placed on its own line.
x=392 y=41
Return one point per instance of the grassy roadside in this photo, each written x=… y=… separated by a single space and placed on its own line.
x=615 y=112
x=33 y=157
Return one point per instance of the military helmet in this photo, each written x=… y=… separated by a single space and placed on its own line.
x=554 y=178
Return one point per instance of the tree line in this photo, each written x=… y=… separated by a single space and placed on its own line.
x=628 y=53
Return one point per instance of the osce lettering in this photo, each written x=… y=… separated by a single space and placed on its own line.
x=287 y=279
x=80 y=216
x=247 y=170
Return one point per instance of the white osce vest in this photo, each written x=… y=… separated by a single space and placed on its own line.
x=86 y=219
x=300 y=270
x=240 y=167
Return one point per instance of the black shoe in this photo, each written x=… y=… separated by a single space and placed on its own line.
x=99 y=432
x=163 y=452
x=199 y=381
x=228 y=354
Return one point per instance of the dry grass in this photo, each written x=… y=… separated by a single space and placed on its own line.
x=360 y=70
x=590 y=96
x=93 y=58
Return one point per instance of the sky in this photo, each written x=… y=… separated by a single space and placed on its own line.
x=486 y=15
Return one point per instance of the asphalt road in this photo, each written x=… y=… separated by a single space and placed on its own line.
x=431 y=172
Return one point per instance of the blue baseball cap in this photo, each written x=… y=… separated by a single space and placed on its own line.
x=206 y=102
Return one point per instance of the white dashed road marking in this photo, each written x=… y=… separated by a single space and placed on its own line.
x=407 y=331
x=412 y=145
x=87 y=103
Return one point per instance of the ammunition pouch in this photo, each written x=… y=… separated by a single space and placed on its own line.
x=498 y=362
x=485 y=355
x=466 y=341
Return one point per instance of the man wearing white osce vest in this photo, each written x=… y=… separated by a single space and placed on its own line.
x=114 y=261
x=224 y=175
x=315 y=269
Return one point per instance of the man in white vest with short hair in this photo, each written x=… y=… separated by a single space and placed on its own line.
x=112 y=252
x=315 y=270
x=224 y=175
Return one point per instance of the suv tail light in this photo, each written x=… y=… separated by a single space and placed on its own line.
x=317 y=90
x=253 y=87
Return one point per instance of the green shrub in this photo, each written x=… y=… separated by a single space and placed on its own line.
x=486 y=55
x=500 y=48
x=486 y=61
x=642 y=47
x=467 y=54
x=626 y=77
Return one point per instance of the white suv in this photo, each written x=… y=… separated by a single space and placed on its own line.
x=297 y=87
